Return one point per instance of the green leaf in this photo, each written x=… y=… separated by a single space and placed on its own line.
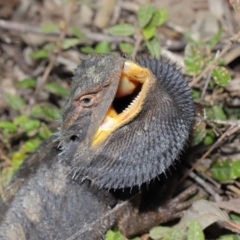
x=154 y=47
x=126 y=48
x=148 y=32
x=233 y=113
x=196 y=94
x=16 y=162
x=221 y=76
x=78 y=33
x=87 y=49
x=37 y=111
x=27 y=83
x=44 y=131
x=122 y=30
x=17 y=158
x=15 y=102
x=235 y=217
x=102 y=47
x=51 y=112
x=159 y=232
x=175 y=234
x=69 y=42
x=31 y=125
x=226 y=170
x=57 y=89
x=27 y=124
x=145 y=14
x=30 y=145
x=6 y=174
x=194 y=39
x=159 y=17
x=229 y=237
x=215 y=38
x=193 y=59
x=49 y=47
x=8 y=126
x=199 y=133
x=46 y=111
x=114 y=235
x=49 y=27
x=209 y=139
x=20 y=119
x=39 y=54
x=216 y=112
x=195 y=231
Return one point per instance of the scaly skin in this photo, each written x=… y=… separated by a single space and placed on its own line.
x=63 y=185
x=147 y=145
x=49 y=205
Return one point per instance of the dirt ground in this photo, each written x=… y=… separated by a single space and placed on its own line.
x=42 y=41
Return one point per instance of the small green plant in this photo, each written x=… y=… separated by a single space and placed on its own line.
x=148 y=20
x=116 y=235
x=31 y=127
x=101 y=47
x=192 y=231
x=198 y=56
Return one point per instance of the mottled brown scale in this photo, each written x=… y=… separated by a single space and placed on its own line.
x=61 y=190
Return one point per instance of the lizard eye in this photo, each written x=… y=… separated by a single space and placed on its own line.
x=87 y=101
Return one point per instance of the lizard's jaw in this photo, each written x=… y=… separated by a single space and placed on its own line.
x=132 y=90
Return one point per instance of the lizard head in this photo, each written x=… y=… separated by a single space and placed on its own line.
x=125 y=122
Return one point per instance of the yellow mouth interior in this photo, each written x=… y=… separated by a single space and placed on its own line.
x=131 y=92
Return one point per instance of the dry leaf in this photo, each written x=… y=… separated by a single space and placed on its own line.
x=205 y=212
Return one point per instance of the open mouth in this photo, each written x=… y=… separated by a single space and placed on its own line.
x=128 y=101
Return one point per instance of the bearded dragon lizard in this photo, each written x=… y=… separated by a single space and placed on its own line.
x=123 y=125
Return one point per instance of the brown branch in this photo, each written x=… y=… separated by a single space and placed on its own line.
x=24 y=28
x=227 y=122
x=206 y=186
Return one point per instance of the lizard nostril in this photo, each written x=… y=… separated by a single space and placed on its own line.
x=73 y=138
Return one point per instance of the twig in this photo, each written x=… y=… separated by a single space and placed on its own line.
x=23 y=28
x=216 y=184
x=137 y=45
x=213 y=63
x=234 y=189
x=227 y=122
x=100 y=37
x=90 y=226
x=208 y=80
x=5 y=158
x=64 y=26
x=231 y=130
x=175 y=58
x=69 y=63
x=129 y=6
x=116 y=14
x=205 y=186
x=237 y=183
x=216 y=130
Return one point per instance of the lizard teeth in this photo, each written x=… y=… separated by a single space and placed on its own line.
x=132 y=103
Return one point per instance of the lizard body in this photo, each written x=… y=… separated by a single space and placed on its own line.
x=62 y=186
x=49 y=205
